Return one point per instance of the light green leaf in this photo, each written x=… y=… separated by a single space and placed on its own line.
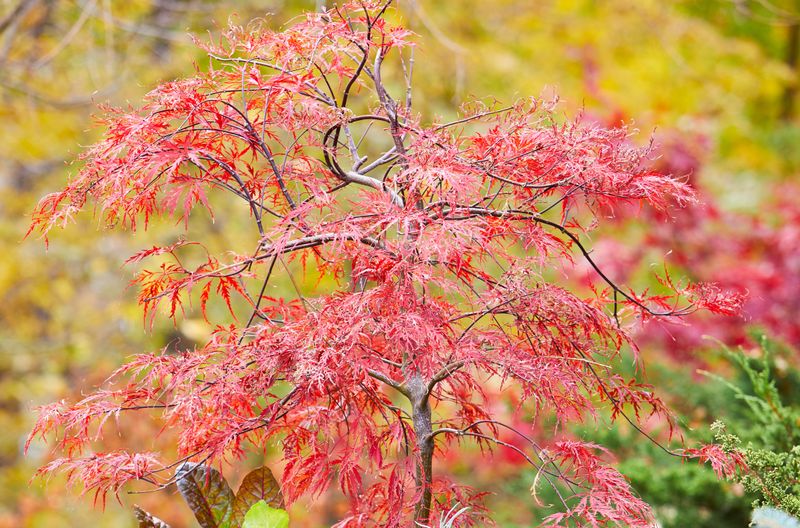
x=262 y=515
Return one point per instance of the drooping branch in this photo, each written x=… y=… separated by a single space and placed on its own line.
x=585 y=252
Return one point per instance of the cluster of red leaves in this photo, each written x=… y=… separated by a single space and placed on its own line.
x=93 y=472
x=449 y=236
x=726 y=464
x=606 y=498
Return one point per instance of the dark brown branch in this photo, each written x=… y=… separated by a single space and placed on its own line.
x=539 y=467
x=446 y=371
x=233 y=174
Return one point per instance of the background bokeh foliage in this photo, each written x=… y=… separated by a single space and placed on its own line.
x=714 y=81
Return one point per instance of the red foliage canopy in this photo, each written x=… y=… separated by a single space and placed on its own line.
x=443 y=238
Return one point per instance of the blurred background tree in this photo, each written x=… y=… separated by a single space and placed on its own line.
x=715 y=80
x=66 y=318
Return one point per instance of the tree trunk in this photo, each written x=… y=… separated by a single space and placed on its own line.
x=423 y=429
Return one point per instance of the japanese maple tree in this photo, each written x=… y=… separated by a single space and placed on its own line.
x=446 y=240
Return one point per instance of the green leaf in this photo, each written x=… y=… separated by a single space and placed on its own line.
x=207 y=494
x=146 y=520
x=258 y=485
x=261 y=515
